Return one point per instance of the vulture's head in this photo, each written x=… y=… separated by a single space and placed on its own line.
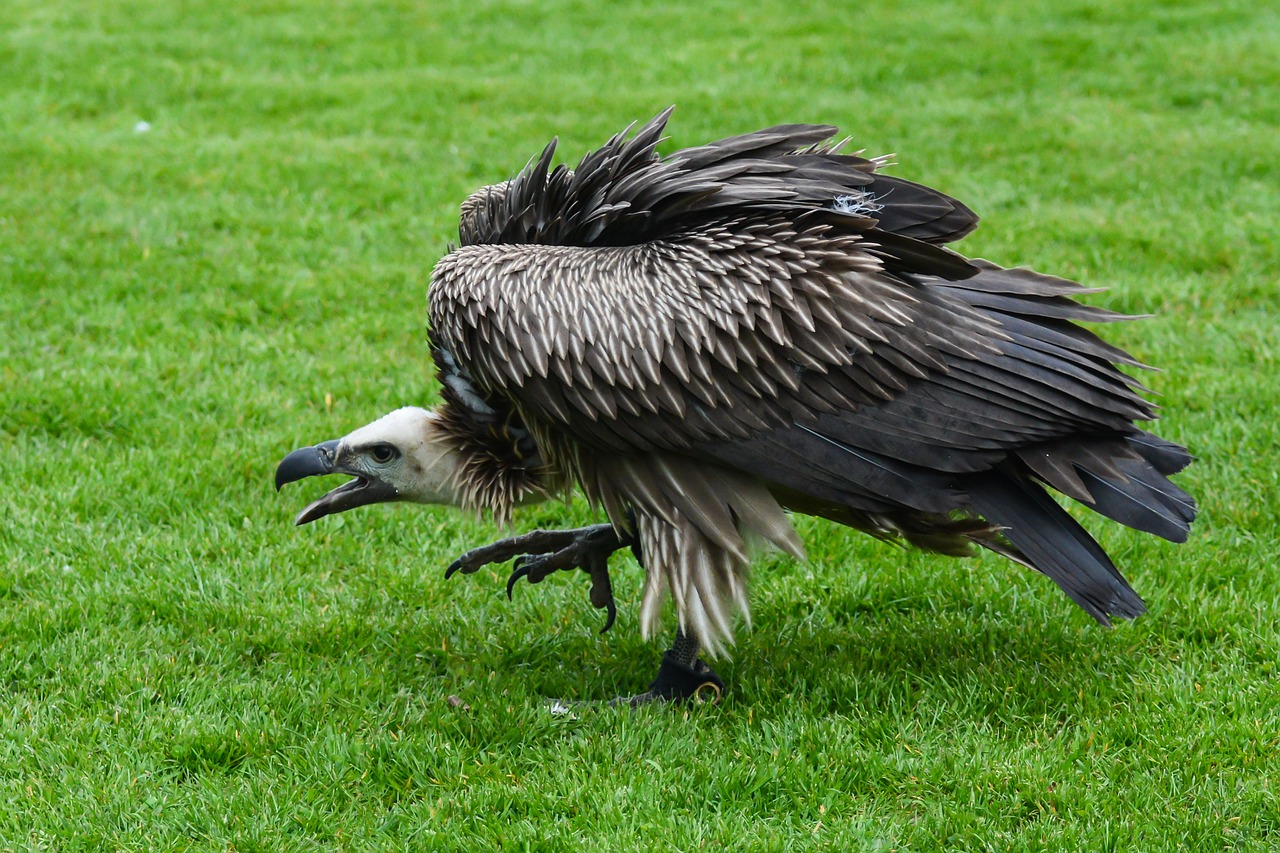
x=403 y=456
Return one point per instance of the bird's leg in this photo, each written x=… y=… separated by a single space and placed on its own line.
x=682 y=677
x=542 y=552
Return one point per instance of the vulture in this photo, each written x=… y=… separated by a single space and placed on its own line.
x=705 y=341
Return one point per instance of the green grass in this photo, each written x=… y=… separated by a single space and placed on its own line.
x=180 y=667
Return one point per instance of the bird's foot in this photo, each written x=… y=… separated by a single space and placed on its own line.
x=675 y=684
x=679 y=683
x=539 y=553
x=683 y=677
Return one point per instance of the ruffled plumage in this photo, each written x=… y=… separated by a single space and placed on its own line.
x=765 y=322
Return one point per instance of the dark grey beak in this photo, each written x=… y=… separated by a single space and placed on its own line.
x=306 y=462
x=321 y=460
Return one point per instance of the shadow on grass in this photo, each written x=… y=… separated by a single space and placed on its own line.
x=832 y=652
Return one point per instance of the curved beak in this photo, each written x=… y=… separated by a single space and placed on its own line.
x=306 y=462
x=319 y=461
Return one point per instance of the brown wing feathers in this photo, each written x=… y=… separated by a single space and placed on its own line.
x=768 y=305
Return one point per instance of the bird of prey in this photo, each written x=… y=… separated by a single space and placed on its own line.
x=703 y=341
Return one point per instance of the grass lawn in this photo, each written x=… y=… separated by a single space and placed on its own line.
x=184 y=301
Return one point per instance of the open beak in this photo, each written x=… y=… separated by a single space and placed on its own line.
x=319 y=461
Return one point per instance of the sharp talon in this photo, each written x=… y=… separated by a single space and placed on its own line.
x=602 y=591
x=541 y=553
x=520 y=571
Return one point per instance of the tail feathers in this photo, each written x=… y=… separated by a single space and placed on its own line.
x=1125 y=479
x=1145 y=500
x=1164 y=455
x=1050 y=541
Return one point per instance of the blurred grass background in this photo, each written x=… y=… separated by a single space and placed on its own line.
x=217 y=221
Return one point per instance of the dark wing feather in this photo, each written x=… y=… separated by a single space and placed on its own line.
x=624 y=193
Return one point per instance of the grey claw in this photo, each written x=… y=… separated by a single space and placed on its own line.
x=539 y=553
x=520 y=570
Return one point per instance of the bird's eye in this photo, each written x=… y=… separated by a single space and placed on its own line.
x=383 y=453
